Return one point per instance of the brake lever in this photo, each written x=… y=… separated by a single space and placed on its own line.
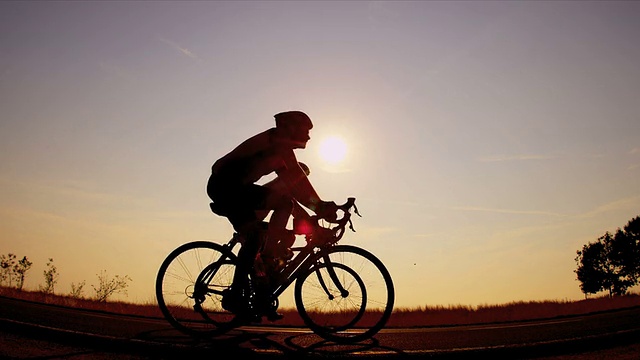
x=355 y=210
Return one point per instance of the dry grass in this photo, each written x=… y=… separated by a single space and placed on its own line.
x=401 y=317
x=150 y=309
x=514 y=311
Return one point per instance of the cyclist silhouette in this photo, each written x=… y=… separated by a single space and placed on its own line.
x=236 y=195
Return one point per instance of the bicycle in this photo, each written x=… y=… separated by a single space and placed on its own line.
x=343 y=293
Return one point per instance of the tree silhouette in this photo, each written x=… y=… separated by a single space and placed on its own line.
x=612 y=263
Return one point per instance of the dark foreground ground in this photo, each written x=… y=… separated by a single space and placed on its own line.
x=29 y=344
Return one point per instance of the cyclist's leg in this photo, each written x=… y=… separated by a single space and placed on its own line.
x=268 y=199
x=247 y=253
x=242 y=215
x=279 y=237
x=237 y=300
x=252 y=294
x=239 y=203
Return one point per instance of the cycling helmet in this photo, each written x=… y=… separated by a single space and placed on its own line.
x=294 y=119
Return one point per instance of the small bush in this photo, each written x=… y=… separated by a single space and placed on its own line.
x=109 y=286
x=50 y=278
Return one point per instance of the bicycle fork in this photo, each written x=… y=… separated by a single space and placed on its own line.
x=333 y=276
x=291 y=272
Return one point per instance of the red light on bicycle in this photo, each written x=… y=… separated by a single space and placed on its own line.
x=302 y=227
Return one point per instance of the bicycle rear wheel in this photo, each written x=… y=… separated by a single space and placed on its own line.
x=189 y=287
x=350 y=306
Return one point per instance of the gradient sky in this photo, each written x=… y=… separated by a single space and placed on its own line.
x=487 y=141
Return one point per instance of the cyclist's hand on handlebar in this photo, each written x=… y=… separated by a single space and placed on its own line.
x=327 y=210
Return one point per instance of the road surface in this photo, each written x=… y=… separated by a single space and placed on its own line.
x=30 y=330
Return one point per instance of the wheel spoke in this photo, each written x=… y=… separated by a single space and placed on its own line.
x=176 y=282
x=363 y=311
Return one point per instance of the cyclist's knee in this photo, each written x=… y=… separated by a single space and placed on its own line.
x=288 y=204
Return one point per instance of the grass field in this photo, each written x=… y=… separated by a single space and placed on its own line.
x=401 y=317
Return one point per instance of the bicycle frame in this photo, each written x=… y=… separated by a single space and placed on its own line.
x=306 y=257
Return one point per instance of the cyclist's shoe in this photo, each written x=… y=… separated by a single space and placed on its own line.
x=237 y=303
x=234 y=301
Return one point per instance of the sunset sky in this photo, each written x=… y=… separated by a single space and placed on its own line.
x=486 y=142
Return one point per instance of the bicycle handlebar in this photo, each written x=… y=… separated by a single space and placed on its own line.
x=341 y=223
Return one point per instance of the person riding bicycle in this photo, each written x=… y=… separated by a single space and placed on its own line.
x=236 y=195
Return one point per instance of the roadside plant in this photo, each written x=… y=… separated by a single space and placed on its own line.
x=77 y=291
x=50 y=278
x=20 y=270
x=13 y=270
x=7 y=263
x=109 y=286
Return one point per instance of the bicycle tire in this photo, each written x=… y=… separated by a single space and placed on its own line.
x=373 y=313
x=196 y=312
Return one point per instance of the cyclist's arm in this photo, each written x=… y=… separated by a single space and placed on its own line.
x=299 y=183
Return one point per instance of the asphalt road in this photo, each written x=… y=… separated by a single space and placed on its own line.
x=34 y=330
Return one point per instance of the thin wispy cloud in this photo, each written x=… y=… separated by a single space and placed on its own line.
x=523 y=157
x=625 y=203
x=377 y=232
x=77 y=192
x=635 y=150
x=426 y=235
x=507 y=211
x=181 y=49
x=632 y=202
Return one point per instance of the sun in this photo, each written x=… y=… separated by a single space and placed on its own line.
x=333 y=149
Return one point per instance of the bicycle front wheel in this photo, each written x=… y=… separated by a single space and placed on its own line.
x=189 y=287
x=347 y=296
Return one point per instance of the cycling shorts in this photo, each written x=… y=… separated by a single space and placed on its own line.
x=238 y=201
